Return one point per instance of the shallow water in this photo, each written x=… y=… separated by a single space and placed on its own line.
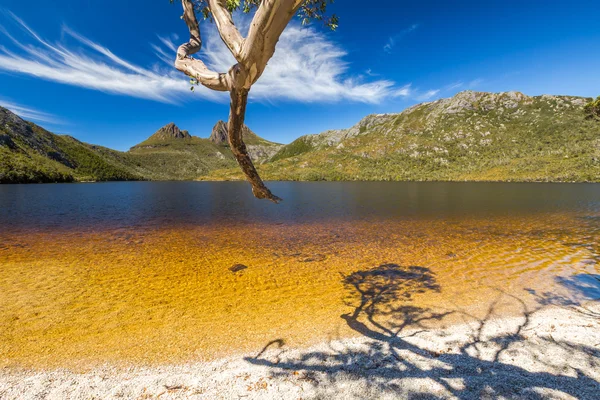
x=140 y=272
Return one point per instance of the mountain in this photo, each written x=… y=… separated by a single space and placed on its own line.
x=29 y=153
x=165 y=135
x=173 y=154
x=473 y=136
x=259 y=149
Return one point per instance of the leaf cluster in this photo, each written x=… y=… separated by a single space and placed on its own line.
x=311 y=10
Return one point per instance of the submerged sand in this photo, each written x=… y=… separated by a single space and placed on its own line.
x=551 y=352
x=77 y=298
x=467 y=307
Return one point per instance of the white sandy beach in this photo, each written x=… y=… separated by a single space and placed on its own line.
x=552 y=353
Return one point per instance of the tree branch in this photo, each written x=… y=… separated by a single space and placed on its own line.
x=227 y=29
x=239 y=99
x=193 y=67
x=198 y=70
x=268 y=23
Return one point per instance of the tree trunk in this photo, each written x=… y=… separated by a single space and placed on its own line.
x=237 y=113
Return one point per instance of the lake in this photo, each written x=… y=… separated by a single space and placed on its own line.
x=140 y=272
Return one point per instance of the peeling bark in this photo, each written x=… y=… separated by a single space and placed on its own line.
x=191 y=66
x=227 y=29
x=268 y=23
x=237 y=113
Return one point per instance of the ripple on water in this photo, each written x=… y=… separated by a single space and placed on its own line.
x=160 y=295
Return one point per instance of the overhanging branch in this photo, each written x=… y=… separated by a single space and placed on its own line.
x=227 y=29
x=193 y=67
x=271 y=18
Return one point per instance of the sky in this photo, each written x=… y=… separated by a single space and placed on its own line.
x=102 y=71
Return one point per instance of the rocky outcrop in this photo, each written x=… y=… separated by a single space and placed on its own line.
x=14 y=128
x=170 y=131
x=262 y=153
x=259 y=150
x=219 y=134
x=220 y=137
x=364 y=126
x=474 y=117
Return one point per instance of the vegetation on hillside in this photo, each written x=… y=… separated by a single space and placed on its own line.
x=19 y=167
x=472 y=136
x=177 y=159
x=592 y=109
x=30 y=154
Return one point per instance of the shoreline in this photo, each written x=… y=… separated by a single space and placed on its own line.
x=552 y=352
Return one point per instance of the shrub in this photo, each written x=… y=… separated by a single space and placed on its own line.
x=592 y=109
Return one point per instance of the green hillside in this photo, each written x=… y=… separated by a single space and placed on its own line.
x=173 y=154
x=30 y=154
x=471 y=136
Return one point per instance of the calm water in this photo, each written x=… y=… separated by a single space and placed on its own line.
x=140 y=272
x=156 y=204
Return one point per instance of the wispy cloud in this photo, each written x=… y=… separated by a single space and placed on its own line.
x=475 y=83
x=91 y=66
x=427 y=95
x=454 y=86
x=29 y=113
x=393 y=40
x=307 y=67
x=450 y=89
x=404 y=91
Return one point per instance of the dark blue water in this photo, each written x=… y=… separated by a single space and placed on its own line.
x=154 y=204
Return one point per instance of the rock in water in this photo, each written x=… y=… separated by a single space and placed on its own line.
x=238 y=267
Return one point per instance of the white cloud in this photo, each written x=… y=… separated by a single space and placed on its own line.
x=404 y=91
x=428 y=95
x=168 y=42
x=454 y=85
x=475 y=83
x=393 y=40
x=29 y=113
x=91 y=66
x=307 y=67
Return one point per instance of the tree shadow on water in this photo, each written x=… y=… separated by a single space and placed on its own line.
x=399 y=354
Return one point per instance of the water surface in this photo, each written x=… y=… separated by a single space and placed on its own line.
x=139 y=272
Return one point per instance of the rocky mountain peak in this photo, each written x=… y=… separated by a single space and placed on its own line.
x=259 y=149
x=470 y=100
x=220 y=137
x=219 y=134
x=171 y=131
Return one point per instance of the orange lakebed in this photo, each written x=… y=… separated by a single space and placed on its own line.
x=82 y=298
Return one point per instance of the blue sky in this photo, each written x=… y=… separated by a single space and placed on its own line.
x=101 y=71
